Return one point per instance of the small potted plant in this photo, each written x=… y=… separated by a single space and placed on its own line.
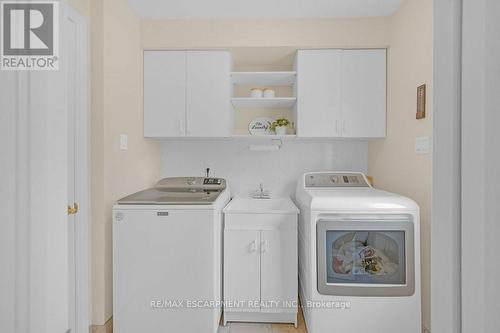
x=279 y=126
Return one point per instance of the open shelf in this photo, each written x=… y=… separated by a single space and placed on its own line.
x=264 y=136
x=260 y=102
x=263 y=78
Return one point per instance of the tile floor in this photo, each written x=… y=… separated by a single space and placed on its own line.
x=235 y=327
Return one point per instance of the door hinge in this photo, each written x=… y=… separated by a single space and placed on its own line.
x=73 y=210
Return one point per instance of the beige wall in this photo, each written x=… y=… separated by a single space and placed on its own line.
x=363 y=32
x=116 y=109
x=393 y=162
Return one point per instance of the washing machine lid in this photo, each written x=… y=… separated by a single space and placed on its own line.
x=347 y=191
x=179 y=191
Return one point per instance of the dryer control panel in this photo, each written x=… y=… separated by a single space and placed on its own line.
x=335 y=179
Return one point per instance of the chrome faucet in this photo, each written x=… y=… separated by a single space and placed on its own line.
x=261 y=193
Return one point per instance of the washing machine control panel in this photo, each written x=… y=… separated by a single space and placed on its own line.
x=335 y=179
x=212 y=181
x=201 y=183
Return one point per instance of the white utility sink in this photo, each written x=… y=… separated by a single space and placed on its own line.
x=261 y=206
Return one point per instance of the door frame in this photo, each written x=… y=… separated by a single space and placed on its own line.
x=446 y=168
x=82 y=173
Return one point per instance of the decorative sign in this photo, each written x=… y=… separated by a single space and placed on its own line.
x=421 y=102
x=260 y=126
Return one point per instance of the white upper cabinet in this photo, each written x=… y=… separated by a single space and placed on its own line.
x=318 y=93
x=164 y=93
x=363 y=93
x=187 y=93
x=208 y=103
x=341 y=93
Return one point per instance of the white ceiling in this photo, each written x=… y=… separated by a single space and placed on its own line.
x=261 y=9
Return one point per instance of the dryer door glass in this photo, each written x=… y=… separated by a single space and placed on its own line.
x=365 y=255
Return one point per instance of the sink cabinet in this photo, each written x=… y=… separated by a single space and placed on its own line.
x=260 y=261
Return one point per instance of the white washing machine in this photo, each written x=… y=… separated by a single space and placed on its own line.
x=359 y=256
x=167 y=257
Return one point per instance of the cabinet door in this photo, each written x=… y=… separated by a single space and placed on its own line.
x=318 y=93
x=363 y=93
x=242 y=269
x=164 y=93
x=279 y=269
x=209 y=112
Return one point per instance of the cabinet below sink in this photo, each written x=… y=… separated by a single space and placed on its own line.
x=260 y=260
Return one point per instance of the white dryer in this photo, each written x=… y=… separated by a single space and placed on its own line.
x=359 y=256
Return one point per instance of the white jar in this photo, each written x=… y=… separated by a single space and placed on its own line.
x=269 y=93
x=256 y=93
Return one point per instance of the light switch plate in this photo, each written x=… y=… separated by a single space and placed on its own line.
x=123 y=142
x=422 y=145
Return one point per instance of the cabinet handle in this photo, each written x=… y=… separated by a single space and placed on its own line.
x=253 y=246
x=337 y=132
x=263 y=246
x=344 y=128
x=188 y=127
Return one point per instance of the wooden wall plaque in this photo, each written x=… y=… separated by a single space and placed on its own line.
x=421 y=102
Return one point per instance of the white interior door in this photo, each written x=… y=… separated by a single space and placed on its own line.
x=242 y=269
x=34 y=193
x=480 y=162
x=75 y=45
